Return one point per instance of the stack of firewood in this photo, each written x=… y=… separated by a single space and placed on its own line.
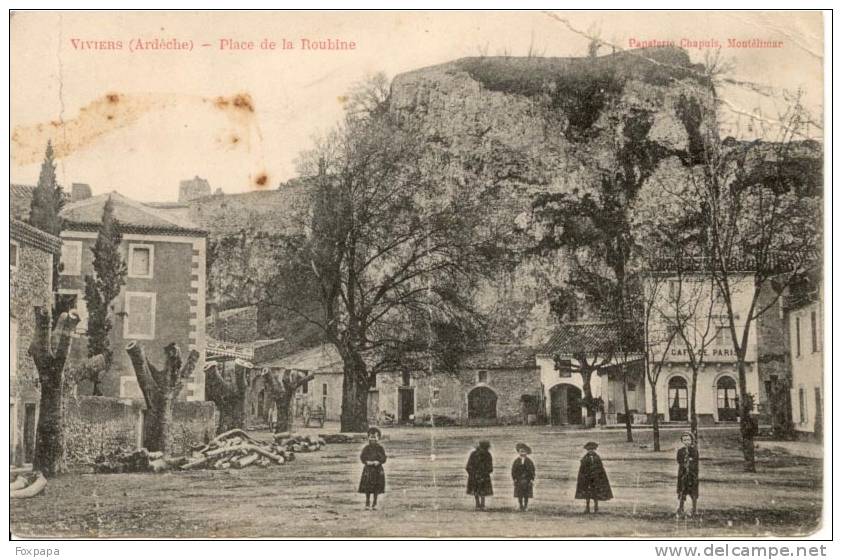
x=236 y=449
x=299 y=444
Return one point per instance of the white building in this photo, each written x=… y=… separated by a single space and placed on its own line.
x=804 y=316
x=692 y=300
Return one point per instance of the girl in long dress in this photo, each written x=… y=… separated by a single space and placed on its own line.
x=373 y=479
x=480 y=467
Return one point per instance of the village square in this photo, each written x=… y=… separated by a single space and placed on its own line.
x=504 y=297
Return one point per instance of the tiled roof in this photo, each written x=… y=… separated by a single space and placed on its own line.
x=589 y=338
x=321 y=359
x=134 y=217
x=25 y=233
x=20 y=200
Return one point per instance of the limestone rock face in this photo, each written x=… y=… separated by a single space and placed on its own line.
x=516 y=127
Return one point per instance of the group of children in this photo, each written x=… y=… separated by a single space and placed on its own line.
x=591 y=484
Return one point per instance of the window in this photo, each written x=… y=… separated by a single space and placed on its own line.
x=67 y=300
x=798 y=336
x=802 y=406
x=631 y=387
x=324 y=389
x=141 y=260
x=674 y=287
x=139 y=321
x=814 y=335
x=405 y=378
x=13 y=254
x=305 y=388
x=71 y=258
x=13 y=346
x=563 y=367
x=482 y=377
x=435 y=394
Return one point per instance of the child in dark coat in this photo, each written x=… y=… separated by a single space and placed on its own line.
x=479 y=469
x=373 y=479
x=688 y=473
x=523 y=474
x=592 y=483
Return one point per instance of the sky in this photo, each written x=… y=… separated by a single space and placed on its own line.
x=140 y=121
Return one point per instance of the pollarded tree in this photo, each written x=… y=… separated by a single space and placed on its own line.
x=103 y=287
x=229 y=394
x=49 y=350
x=282 y=385
x=160 y=388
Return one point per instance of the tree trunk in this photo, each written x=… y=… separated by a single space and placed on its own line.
x=282 y=385
x=160 y=390
x=629 y=437
x=354 y=417
x=656 y=430
x=49 y=349
x=694 y=419
x=284 y=410
x=748 y=425
x=228 y=396
x=587 y=396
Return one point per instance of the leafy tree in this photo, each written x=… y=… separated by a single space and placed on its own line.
x=103 y=287
x=47 y=201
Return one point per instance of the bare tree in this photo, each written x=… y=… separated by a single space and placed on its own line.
x=49 y=349
x=160 y=388
x=282 y=385
x=229 y=394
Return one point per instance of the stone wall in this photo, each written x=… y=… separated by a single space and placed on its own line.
x=100 y=425
x=234 y=325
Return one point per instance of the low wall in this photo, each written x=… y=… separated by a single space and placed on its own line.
x=98 y=425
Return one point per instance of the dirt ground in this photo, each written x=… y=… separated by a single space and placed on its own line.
x=316 y=494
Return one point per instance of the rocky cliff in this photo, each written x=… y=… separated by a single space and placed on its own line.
x=508 y=127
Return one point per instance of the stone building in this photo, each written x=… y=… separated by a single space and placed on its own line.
x=804 y=316
x=31 y=254
x=576 y=348
x=163 y=300
x=191 y=189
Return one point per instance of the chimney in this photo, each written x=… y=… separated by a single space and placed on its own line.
x=80 y=191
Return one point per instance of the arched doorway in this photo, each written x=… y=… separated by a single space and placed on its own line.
x=482 y=405
x=565 y=404
x=677 y=399
x=727 y=402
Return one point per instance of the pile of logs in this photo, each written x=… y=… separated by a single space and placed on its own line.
x=236 y=449
x=300 y=444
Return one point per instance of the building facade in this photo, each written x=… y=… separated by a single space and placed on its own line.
x=805 y=319
x=163 y=300
x=31 y=255
x=701 y=308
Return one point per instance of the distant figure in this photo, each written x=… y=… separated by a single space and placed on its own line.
x=523 y=474
x=373 y=479
x=592 y=483
x=688 y=473
x=479 y=473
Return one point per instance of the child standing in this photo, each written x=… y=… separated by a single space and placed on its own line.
x=592 y=483
x=523 y=473
x=373 y=479
x=479 y=473
x=688 y=473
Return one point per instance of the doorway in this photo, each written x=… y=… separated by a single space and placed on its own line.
x=565 y=405
x=678 y=399
x=482 y=405
x=406 y=404
x=727 y=409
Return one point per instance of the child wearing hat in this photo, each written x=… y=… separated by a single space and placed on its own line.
x=688 y=473
x=523 y=473
x=373 y=479
x=479 y=469
x=592 y=483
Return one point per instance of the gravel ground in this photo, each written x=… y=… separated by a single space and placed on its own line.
x=316 y=494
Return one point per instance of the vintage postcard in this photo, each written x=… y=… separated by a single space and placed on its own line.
x=417 y=274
